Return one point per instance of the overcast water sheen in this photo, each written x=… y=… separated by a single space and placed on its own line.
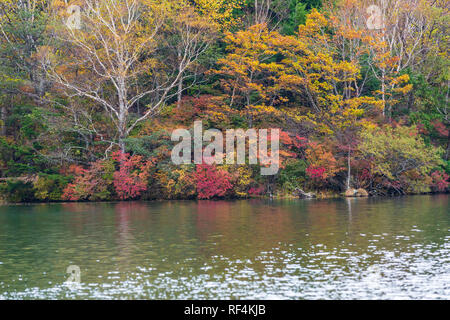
x=385 y=248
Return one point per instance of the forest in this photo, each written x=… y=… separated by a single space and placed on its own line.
x=91 y=91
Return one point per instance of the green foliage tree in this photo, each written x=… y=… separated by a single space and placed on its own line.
x=400 y=157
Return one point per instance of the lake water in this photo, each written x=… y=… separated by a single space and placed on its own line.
x=384 y=248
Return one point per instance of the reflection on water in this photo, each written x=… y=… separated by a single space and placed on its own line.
x=256 y=249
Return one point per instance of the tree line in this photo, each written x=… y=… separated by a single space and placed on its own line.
x=91 y=90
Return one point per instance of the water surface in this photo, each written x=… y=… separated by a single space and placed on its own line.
x=396 y=248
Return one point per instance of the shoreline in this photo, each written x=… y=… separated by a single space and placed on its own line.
x=284 y=197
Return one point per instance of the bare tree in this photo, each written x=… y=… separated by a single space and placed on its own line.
x=117 y=58
x=405 y=38
x=269 y=12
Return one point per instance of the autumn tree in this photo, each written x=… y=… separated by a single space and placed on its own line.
x=22 y=31
x=282 y=15
x=269 y=12
x=221 y=13
x=114 y=56
x=268 y=71
x=196 y=27
x=249 y=71
x=330 y=81
x=400 y=157
x=409 y=40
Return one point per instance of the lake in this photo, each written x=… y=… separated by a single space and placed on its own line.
x=376 y=248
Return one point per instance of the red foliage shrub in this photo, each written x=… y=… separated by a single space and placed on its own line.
x=290 y=141
x=256 y=191
x=322 y=163
x=211 y=182
x=421 y=128
x=90 y=184
x=317 y=173
x=132 y=178
x=101 y=180
x=440 y=128
x=440 y=181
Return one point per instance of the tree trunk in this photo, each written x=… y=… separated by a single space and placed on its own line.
x=348 y=169
x=122 y=129
x=302 y=194
x=3 y=120
x=180 y=82
x=122 y=145
x=383 y=88
x=250 y=115
x=180 y=92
